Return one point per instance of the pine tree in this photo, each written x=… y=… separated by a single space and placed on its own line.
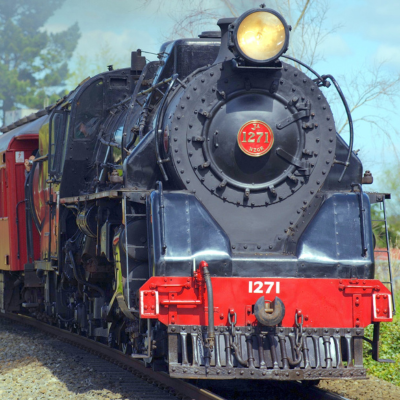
x=33 y=63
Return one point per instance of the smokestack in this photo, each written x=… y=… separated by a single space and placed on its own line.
x=137 y=62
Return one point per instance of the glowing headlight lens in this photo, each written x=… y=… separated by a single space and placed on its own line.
x=261 y=36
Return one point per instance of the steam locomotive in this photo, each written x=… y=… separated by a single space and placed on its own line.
x=198 y=212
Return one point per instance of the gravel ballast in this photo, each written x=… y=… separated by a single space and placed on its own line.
x=35 y=366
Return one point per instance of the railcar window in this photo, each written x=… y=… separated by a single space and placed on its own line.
x=56 y=130
x=63 y=147
x=117 y=153
x=117 y=138
x=89 y=109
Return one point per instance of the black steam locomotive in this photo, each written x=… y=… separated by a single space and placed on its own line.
x=198 y=212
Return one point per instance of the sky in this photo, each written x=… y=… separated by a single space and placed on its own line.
x=367 y=36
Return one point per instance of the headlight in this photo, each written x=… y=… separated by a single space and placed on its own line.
x=260 y=36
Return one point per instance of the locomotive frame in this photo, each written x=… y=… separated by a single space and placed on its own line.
x=146 y=208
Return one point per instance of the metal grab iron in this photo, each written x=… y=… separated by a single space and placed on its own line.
x=269 y=319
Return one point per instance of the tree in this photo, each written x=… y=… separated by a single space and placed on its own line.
x=85 y=68
x=33 y=63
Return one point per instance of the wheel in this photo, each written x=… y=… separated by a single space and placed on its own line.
x=60 y=324
x=126 y=348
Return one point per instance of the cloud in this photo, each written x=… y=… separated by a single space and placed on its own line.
x=374 y=20
x=388 y=54
x=335 y=46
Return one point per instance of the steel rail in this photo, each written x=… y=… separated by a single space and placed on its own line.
x=115 y=356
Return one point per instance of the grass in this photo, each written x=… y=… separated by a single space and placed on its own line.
x=389 y=348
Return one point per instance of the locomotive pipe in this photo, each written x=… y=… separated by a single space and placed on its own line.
x=90 y=285
x=349 y=120
x=273 y=318
x=210 y=297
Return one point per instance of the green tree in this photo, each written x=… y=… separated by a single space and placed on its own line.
x=33 y=63
x=85 y=68
x=388 y=183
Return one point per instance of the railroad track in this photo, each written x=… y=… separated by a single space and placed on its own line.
x=202 y=390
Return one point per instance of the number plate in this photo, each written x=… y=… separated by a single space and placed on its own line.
x=255 y=138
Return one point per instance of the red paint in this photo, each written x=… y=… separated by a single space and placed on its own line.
x=255 y=138
x=12 y=193
x=325 y=302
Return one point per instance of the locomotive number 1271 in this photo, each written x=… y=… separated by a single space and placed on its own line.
x=264 y=287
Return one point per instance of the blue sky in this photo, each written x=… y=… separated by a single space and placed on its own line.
x=368 y=35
